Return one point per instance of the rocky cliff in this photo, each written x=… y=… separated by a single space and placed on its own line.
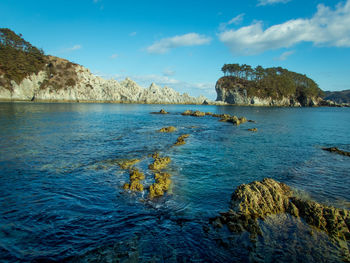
x=238 y=93
x=61 y=80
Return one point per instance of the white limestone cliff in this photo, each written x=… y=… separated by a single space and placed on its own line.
x=91 y=88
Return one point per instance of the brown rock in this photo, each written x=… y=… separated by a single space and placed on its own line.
x=181 y=139
x=162 y=111
x=258 y=199
x=126 y=164
x=135 y=177
x=253 y=129
x=161 y=185
x=336 y=150
x=168 y=129
x=159 y=162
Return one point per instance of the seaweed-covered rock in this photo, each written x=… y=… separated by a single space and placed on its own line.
x=336 y=150
x=181 y=139
x=253 y=129
x=127 y=163
x=168 y=129
x=187 y=113
x=162 y=111
x=135 y=177
x=193 y=113
x=261 y=198
x=159 y=162
x=161 y=185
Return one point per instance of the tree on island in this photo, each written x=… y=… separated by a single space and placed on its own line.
x=274 y=82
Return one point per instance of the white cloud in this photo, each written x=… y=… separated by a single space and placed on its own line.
x=114 y=56
x=271 y=2
x=285 y=55
x=191 y=39
x=326 y=28
x=132 y=34
x=236 y=20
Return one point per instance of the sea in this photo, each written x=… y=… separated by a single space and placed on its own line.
x=62 y=196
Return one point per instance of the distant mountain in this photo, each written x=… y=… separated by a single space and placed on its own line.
x=338 y=96
x=27 y=74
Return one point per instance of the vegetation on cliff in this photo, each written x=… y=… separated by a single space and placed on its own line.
x=19 y=59
x=274 y=82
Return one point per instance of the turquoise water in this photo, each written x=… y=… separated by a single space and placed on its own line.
x=61 y=191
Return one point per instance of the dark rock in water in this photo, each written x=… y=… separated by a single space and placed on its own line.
x=205 y=102
x=193 y=113
x=257 y=200
x=162 y=111
x=181 y=139
x=253 y=129
x=336 y=150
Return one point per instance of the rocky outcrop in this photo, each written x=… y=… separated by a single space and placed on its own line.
x=181 y=140
x=168 y=129
x=135 y=185
x=161 y=185
x=259 y=199
x=159 y=162
x=83 y=86
x=237 y=94
x=336 y=150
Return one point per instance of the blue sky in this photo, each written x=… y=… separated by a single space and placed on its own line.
x=183 y=44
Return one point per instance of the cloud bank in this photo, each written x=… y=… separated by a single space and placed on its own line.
x=271 y=2
x=326 y=28
x=191 y=39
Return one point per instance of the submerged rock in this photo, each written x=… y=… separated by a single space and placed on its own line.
x=162 y=111
x=161 y=185
x=181 y=139
x=168 y=129
x=187 y=113
x=135 y=177
x=336 y=150
x=126 y=164
x=259 y=199
x=253 y=129
x=159 y=162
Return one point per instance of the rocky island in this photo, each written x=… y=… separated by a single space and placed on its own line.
x=244 y=85
x=27 y=74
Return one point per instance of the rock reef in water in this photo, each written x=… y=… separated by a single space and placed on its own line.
x=259 y=199
x=161 y=185
x=168 y=129
x=181 y=139
x=162 y=111
x=126 y=164
x=253 y=129
x=135 y=177
x=159 y=162
x=336 y=150
x=193 y=113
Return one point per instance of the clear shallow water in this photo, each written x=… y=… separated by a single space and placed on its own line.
x=61 y=194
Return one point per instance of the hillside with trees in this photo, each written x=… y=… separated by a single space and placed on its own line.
x=275 y=83
x=19 y=59
x=338 y=96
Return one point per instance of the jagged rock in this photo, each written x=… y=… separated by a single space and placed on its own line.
x=258 y=199
x=168 y=129
x=336 y=150
x=126 y=164
x=135 y=177
x=161 y=185
x=87 y=87
x=159 y=162
x=253 y=129
x=181 y=139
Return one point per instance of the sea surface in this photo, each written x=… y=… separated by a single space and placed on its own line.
x=61 y=195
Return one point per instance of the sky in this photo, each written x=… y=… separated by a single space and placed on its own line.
x=183 y=44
